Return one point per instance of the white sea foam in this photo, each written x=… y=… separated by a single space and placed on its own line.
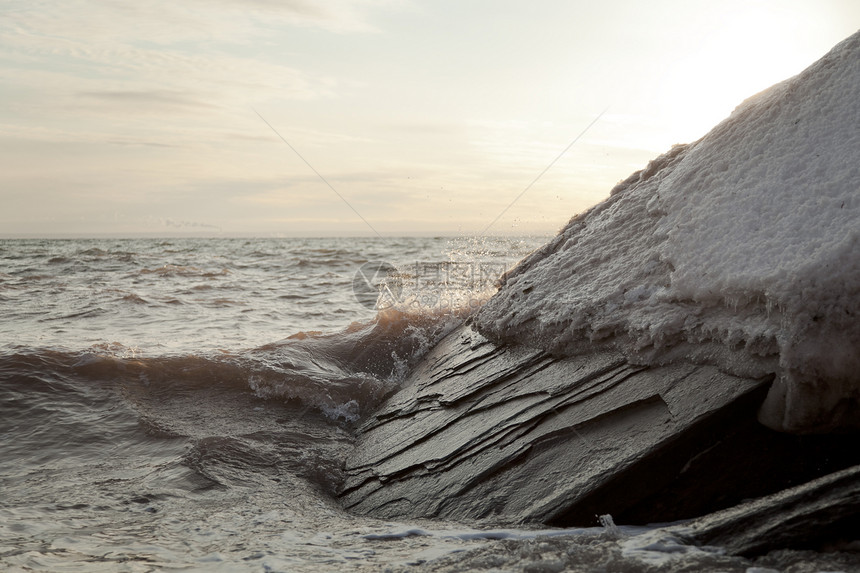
x=740 y=249
x=660 y=548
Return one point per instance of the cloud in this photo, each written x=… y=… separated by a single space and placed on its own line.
x=163 y=55
x=132 y=142
x=71 y=73
x=148 y=100
x=300 y=12
x=166 y=22
x=342 y=16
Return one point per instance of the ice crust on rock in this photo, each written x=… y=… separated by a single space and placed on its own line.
x=741 y=249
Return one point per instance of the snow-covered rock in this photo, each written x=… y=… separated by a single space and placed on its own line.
x=741 y=250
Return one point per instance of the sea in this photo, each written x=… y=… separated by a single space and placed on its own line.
x=188 y=403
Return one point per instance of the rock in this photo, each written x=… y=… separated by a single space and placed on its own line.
x=630 y=360
x=729 y=266
x=513 y=434
x=739 y=250
x=821 y=514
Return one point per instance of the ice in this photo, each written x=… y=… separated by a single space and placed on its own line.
x=741 y=249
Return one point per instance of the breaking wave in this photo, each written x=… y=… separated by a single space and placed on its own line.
x=343 y=375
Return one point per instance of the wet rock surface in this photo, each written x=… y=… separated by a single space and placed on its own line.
x=512 y=434
x=823 y=514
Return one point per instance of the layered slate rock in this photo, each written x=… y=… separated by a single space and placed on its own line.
x=821 y=514
x=513 y=433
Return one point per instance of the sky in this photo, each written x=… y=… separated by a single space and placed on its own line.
x=366 y=117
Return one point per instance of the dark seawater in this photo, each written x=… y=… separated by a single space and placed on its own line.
x=186 y=404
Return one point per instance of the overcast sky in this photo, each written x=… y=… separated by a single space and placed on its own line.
x=427 y=117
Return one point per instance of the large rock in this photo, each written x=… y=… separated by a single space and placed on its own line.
x=628 y=361
x=516 y=435
x=821 y=514
x=741 y=250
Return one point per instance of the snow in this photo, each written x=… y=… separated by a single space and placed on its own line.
x=741 y=249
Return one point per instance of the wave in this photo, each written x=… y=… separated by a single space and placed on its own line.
x=343 y=375
x=193 y=422
x=182 y=271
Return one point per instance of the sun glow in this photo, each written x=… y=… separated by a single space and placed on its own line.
x=737 y=58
